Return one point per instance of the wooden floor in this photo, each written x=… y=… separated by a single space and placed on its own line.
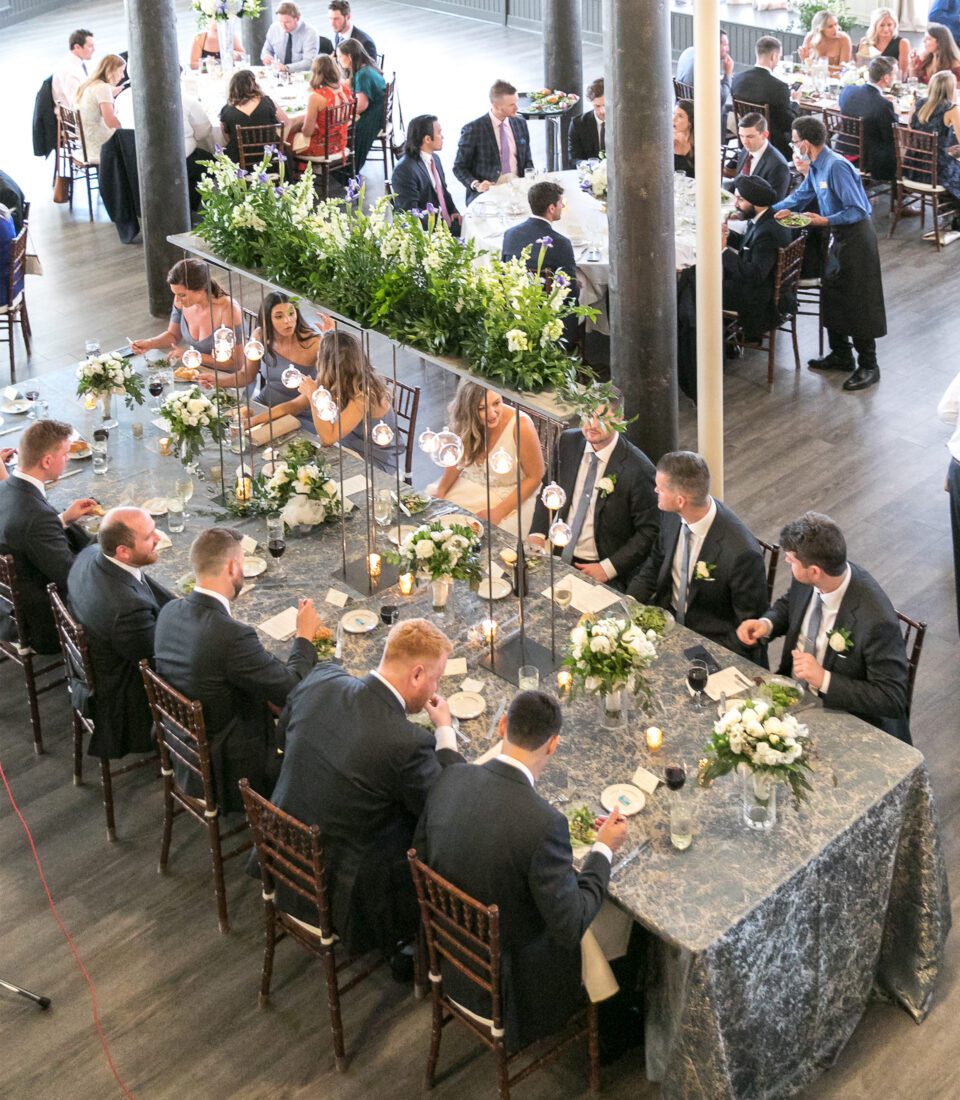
x=177 y=1000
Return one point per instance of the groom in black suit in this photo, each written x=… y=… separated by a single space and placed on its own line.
x=42 y=542
x=418 y=180
x=117 y=604
x=494 y=145
x=706 y=567
x=610 y=503
x=842 y=635
x=355 y=765
x=486 y=830
x=208 y=655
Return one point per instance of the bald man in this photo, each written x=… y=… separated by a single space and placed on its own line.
x=117 y=604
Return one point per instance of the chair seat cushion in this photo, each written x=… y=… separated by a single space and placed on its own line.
x=14 y=305
x=914 y=185
x=330 y=159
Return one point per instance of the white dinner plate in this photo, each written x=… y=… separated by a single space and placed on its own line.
x=467 y=704
x=627 y=798
x=501 y=587
x=253 y=566
x=405 y=529
x=462 y=519
x=77 y=455
x=361 y=621
x=155 y=506
x=17 y=406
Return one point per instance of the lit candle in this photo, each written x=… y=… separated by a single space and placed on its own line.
x=244 y=489
x=488 y=628
x=374 y=565
x=89 y=401
x=654 y=738
x=164 y=445
x=564 y=680
x=406 y=583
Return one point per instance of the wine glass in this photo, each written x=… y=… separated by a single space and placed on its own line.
x=563 y=595
x=697 y=679
x=184 y=490
x=155 y=385
x=32 y=394
x=276 y=540
x=383 y=507
x=675 y=774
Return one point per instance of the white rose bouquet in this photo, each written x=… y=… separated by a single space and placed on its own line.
x=759 y=736
x=193 y=415
x=299 y=486
x=110 y=373
x=226 y=9
x=609 y=655
x=593 y=178
x=435 y=552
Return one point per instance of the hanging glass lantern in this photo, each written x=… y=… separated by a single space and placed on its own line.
x=292 y=378
x=560 y=533
x=427 y=441
x=325 y=405
x=553 y=497
x=191 y=358
x=448 y=448
x=253 y=350
x=501 y=461
x=382 y=434
x=224 y=341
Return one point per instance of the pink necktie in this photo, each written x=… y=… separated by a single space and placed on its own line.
x=445 y=213
x=505 y=165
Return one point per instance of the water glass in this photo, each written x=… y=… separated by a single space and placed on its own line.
x=91 y=347
x=383 y=507
x=528 y=678
x=681 y=821
x=98 y=445
x=175 y=522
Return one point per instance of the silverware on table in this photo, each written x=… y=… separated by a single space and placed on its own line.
x=15 y=428
x=630 y=857
x=63 y=477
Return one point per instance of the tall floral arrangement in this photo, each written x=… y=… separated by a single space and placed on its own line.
x=435 y=552
x=109 y=374
x=299 y=486
x=194 y=416
x=609 y=655
x=593 y=178
x=220 y=10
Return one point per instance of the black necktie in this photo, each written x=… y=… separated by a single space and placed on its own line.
x=288 y=52
x=603 y=140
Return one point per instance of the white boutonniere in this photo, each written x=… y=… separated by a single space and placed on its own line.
x=704 y=570
x=606 y=485
x=840 y=640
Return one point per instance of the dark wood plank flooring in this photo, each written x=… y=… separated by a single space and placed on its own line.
x=178 y=1001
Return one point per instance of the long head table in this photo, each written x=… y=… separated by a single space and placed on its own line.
x=764 y=947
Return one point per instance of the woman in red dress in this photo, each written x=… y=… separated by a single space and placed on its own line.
x=329 y=90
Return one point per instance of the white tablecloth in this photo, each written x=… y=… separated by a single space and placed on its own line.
x=211 y=90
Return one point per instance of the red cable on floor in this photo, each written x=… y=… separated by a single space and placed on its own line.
x=66 y=935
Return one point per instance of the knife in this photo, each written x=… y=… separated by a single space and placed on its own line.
x=492 y=731
x=630 y=857
x=15 y=428
x=63 y=477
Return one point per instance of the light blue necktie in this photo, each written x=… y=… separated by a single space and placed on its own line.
x=687 y=536
x=813 y=626
x=582 y=505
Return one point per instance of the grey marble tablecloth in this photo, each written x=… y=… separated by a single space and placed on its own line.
x=764 y=947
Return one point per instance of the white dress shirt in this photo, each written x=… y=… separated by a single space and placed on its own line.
x=214 y=595
x=70 y=74
x=305 y=45
x=754 y=158
x=831 y=605
x=949 y=412
x=511 y=140
x=446 y=737
x=586 y=548
x=197 y=128
x=134 y=571
x=698 y=532
x=32 y=480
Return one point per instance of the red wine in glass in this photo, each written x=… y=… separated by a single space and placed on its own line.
x=155 y=388
x=277 y=547
x=675 y=775
x=697 y=679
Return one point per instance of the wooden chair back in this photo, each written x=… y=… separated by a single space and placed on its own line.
x=743 y=107
x=548 y=432
x=72 y=140
x=334 y=118
x=845 y=135
x=771 y=558
x=10 y=605
x=389 y=94
x=253 y=140
x=406 y=404
x=17 y=270
x=916 y=158
x=914 y=631
x=681 y=90
x=787 y=275
x=76 y=660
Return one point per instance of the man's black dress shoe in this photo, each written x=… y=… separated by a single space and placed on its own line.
x=862 y=378
x=401 y=967
x=832 y=361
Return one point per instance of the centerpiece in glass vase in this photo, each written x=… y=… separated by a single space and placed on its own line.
x=106 y=375
x=606 y=657
x=593 y=177
x=194 y=416
x=440 y=555
x=222 y=14
x=766 y=747
x=298 y=486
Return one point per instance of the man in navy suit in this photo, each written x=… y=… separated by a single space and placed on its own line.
x=208 y=655
x=870 y=102
x=494 y=145
x=418 y=180
x=842 y=635
x=615 y=530
x=488 y=831
x=355 y=765
x=117 y=604
x=759 y=157
x=42 y=542
x=706 y=567
x=341 y=21
x=587 y=138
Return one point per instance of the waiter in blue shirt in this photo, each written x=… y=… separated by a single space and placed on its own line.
x=851 y=289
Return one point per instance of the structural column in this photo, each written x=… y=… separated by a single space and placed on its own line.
x=158 y=119
x=706 y=74
x=562 y=66
x=643 y=277
x=253 y=32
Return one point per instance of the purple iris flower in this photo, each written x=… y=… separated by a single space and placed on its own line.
x=545 y=242
x=353 y=188
x=241 y=175
x=417 y=213
x=263 y=177
x=431 y=209
x=217 y=150
x=559 y=279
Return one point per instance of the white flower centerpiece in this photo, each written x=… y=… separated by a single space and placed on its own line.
x=303 y=492
x=193 y=416
x=593 y=178
x=440 y=555
x=766 y=747
x=225 y=10
x=106 y=375
x=607 y=657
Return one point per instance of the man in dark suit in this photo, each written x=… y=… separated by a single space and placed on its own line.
x=610 y=505
x=418 y=181
x=486 y=830
x=870 y=102
x=206 y=654
x=750 y=258
x=587 y=138
x=759 y=85
x=355 y=765
x=117 y=604
x=706 y=566
x=43 y=543
x=13 y=199
x=759 y=157
x=341 y=20
x=842 y=635
x=494 y=145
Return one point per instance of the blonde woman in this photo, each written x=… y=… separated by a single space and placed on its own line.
x=883 y=39
x=825 y=40
x=95 y=104
x=938 y=114
x=940 y=54
x=487 y=425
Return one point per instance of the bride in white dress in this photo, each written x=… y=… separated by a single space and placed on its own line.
x=485 y=423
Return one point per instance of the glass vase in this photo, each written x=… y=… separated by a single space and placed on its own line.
x=105 y=401
x=189 y=455
x=613 y=710
x=225 y=35
x=758 y=799
x=440 y=593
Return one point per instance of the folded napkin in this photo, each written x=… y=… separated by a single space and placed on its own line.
x=587 y=597
x=164 y=542
x=281 y=626
x=728 y=681
x=456 y=666
x=248 y=544
x=598 y=979
x=262 y=433
x=353 y=485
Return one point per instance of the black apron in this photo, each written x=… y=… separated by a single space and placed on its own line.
x=851 y=288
